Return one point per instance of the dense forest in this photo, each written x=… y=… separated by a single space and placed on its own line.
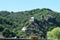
x=44 y=20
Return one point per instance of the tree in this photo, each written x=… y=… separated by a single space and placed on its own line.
x=54 y=34
x=4 y=13
x=6 y=33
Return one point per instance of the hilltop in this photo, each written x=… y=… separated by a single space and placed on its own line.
x=11 y=23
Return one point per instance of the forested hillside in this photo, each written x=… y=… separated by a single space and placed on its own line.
x=11 y=23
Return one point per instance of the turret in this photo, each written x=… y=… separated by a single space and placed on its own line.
x=31 y=20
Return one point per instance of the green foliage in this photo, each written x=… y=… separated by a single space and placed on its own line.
x=1 y=28
x=4 y=13
x=15 y=21
x=8 y=33
x=54 y=34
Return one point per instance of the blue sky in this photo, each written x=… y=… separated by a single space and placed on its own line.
x=22 y=5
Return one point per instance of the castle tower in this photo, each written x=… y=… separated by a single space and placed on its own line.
x=31 y=20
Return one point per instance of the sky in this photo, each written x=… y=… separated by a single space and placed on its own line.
x=22 y=5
